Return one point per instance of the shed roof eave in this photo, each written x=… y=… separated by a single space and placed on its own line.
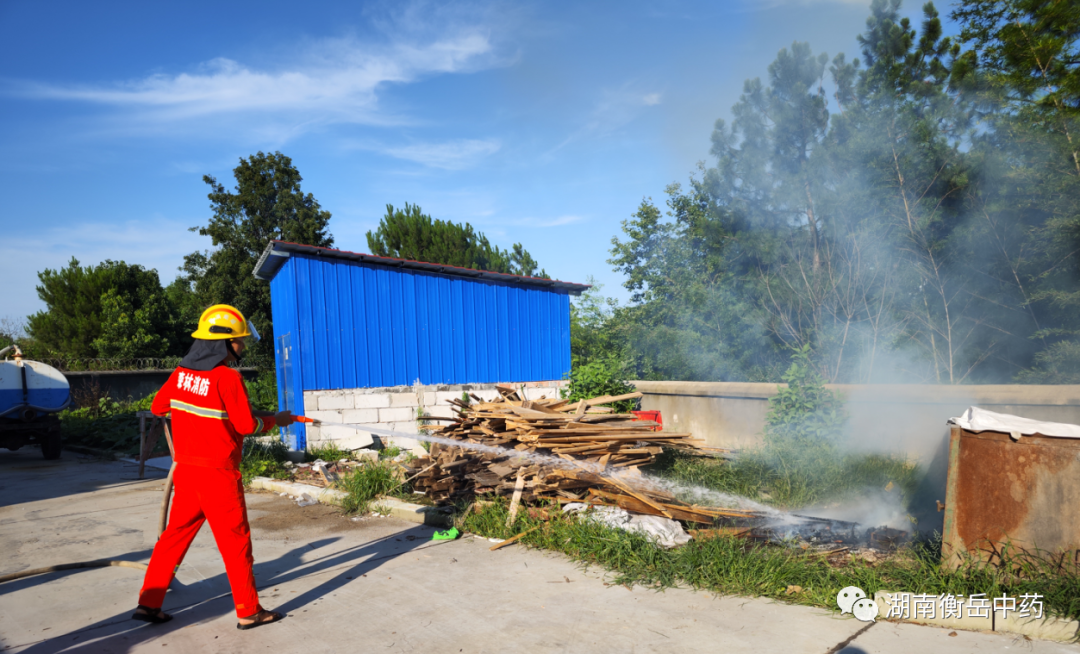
x=276 y=252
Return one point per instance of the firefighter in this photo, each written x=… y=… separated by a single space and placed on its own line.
x=210 y=417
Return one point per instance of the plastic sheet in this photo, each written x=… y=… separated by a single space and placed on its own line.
x=976 y=420
x=663 y=531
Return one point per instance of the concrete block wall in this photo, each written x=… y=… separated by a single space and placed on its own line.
x=366 y=413
x=903 y=418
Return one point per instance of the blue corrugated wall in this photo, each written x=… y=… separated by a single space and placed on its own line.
x=353 y=325
x=286 y=353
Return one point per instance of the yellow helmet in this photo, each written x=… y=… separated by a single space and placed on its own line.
x=221 y=322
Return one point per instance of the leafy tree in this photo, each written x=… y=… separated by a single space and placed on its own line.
x=1022 y=69
x=112 y=309
x=181 y=298
x=591 y=323
x=804 y=410
x=1025 y=56
x=1059 y=363
x=267 y=204
x=925 y=230
x=411 y=234
x=688 y=319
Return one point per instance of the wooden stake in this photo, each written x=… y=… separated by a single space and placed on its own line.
x=515 y=501
x=513 y=539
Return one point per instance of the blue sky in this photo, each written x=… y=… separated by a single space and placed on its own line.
x=540 y=123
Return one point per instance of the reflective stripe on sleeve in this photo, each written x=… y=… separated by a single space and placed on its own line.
x=202 y=412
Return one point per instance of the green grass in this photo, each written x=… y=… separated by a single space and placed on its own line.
x=733 y=566
x=792 y=476
x=389 y=452
x=367 y=482
x=263 y=459
x=328 y=452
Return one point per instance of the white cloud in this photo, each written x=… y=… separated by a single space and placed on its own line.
x=337 y=80
x=557 y=222
x=449 y=155
x=544 y=223
x=156 y=242
x=613 y=110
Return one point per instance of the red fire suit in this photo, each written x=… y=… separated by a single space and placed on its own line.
x=210 y=416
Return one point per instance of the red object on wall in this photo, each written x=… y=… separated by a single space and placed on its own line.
x=650 y=415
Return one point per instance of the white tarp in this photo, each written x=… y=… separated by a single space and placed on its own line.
x=666 y=533
x=976 y=419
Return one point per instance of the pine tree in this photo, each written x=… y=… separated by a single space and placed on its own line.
x=409 y=233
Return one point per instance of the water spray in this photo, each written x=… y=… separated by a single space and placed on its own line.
x=701 y=495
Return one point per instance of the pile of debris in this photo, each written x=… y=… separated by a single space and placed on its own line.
x=819 y=536
x=321 y=473
x=556 y=450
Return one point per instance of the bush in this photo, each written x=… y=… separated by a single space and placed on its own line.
x=600 y=377
x=262 y=391
x=107 y=424
x=802 y=460
x=804 y=411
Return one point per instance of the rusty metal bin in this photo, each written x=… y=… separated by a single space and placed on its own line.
x=1022 y=492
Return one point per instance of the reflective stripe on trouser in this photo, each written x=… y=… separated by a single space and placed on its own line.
x=217 y=496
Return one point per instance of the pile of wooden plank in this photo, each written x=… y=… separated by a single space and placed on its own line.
x=556 y=450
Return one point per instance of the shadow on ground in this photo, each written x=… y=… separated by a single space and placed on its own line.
x=22 y=470
x=204 y=601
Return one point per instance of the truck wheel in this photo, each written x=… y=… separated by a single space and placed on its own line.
x=51 y=446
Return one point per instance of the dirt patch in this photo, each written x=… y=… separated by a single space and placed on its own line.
x=275 y=516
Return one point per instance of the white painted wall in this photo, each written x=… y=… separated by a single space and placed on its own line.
x=394 y=408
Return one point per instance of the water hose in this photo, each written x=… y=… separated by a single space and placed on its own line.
x=105 y=563
x=164 y=516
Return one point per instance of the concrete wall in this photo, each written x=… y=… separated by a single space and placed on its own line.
x=394 y=408
x=909 y=420
x=900 y=418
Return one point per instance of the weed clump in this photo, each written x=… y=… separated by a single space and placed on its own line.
x=327 y=451
x=368 y=482
x=263 y=457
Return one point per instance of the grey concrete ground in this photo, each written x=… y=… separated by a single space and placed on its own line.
x=373 y=585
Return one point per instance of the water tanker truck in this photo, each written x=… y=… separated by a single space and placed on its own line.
x=31 y=395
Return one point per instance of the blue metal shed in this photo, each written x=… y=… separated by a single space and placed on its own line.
x=349 y=320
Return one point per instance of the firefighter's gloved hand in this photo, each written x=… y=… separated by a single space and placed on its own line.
x=284 y=419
